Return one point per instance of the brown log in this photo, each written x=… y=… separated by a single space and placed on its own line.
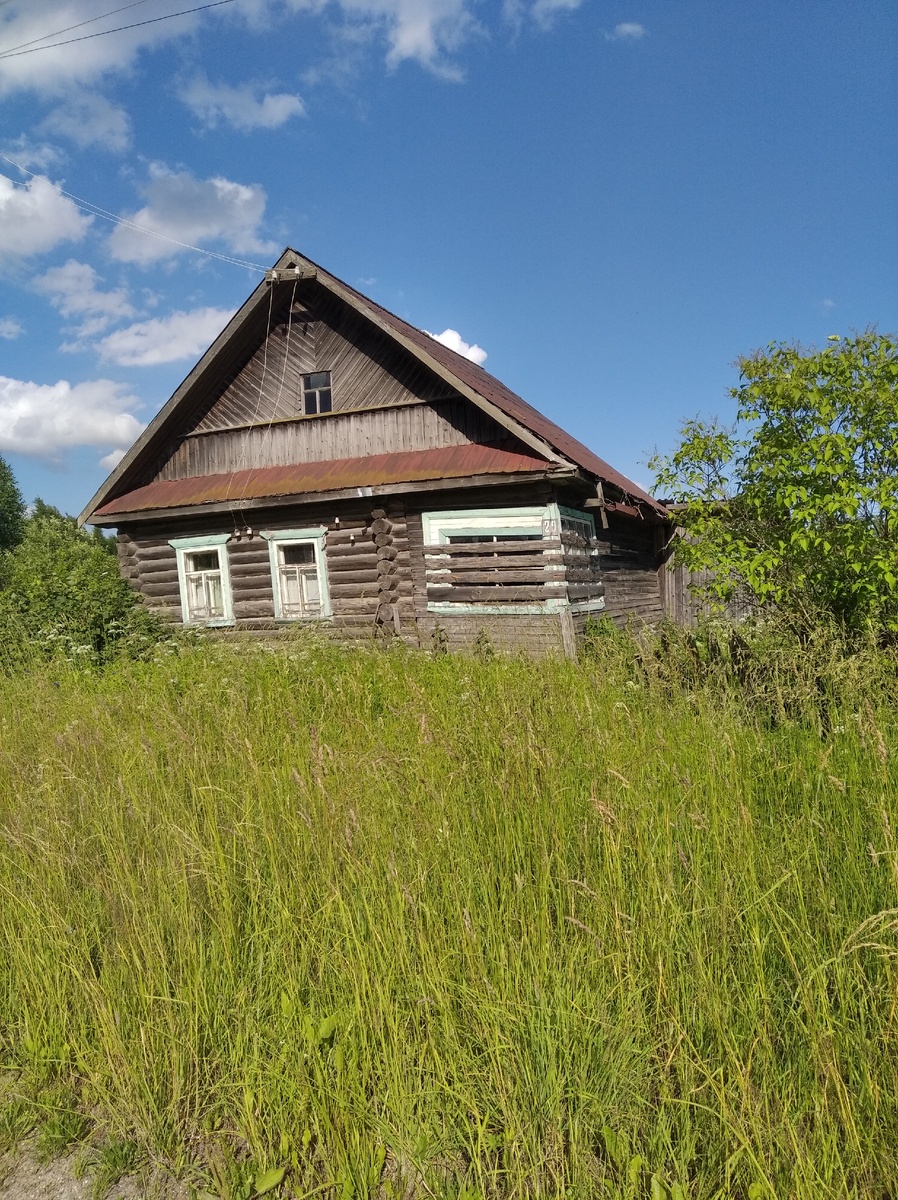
x=161 y=590
x=517 y=594
x=535 y=575
x=381 y=525
x=383 y=539
x=493 y=561
x=352 y=581
x=360 y=546
x=512 y=545
x=366 y=561
x=169 y=576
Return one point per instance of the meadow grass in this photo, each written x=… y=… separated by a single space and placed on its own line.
x=406 y=926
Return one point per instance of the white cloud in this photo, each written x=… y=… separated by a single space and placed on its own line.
x=239 y=106
x=165 y=339
x=111 y=460
x=544 y=12
x=826 y=306
x=72 y=289
x=453 y=339
x=35 y=217
x=90 y=120
x=626 y=31
x=10 y=328
x=42 y=420
x=423 y=31
x=55 y=71
x=191 y=211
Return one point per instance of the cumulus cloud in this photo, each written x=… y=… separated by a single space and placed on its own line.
x=191 y=211
x=111 y=460
x=10 y=329
x=453 y=339
x=72 y=289
x=626 y=31
x=54 y=71
x=165 y=339
x=43 y=420
x=424 y=31
x=239 y=107
x=90 y=120
x=544 y=12
x=35 y=217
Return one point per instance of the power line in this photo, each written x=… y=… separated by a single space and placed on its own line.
x=94 y=210
x=103 y=32
x=69 y=28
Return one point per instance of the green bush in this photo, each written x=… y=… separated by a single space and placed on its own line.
x=62 y=594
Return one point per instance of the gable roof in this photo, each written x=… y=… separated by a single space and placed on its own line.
x=526 y=423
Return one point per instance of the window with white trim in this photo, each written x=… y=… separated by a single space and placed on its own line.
x=204 y=579
x=298 y=574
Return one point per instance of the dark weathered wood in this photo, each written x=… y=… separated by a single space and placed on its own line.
x=515 y=547
x=518 y=575
x=518 y=594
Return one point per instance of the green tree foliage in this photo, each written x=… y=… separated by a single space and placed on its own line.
x=12 y=508
x=62 y=594
x=798 y=502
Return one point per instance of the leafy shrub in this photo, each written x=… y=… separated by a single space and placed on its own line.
x=62 y=594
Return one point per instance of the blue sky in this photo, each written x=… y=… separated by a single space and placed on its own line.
x=613 y=199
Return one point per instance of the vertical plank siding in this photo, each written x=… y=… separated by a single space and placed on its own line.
x=336 y=436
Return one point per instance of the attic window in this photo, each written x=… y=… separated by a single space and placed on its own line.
x=316 y=393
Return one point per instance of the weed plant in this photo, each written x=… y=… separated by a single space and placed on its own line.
x=350 y=923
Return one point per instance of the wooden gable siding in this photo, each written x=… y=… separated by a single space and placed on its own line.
x=320 y=333
x=415 y=426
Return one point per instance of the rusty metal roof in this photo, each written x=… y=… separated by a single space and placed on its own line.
x=504 y=398
x=451 y=462
x=228 y=351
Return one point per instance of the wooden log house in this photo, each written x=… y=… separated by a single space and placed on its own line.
x=325 y=461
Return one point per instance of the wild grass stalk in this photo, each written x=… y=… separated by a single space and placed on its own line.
x=453 y=928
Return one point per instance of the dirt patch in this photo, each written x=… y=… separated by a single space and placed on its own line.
x=22 y=1177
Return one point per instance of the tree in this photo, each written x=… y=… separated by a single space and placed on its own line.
x=12 y=509
x=63 y=594
x=798 y=502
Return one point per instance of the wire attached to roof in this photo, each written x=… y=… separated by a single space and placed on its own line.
x=119 y=29
x=94 y=210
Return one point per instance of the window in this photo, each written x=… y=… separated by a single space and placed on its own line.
x=500 y=560
x=204 y=580
x=316 y=393
x=298 y=574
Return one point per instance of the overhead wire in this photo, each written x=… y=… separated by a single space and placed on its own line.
x=69 y=28
x=119 y=28
x=87 y=206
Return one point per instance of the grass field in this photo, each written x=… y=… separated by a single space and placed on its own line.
x=402 y=926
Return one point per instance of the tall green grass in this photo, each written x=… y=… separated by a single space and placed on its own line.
x=443 y=927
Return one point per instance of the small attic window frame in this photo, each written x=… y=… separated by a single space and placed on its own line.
x=317 y=393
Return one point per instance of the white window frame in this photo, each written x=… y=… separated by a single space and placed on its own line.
x=568 y=517
x=542 y=521
x=314 y=536
x=204 y=544
x=535 y=520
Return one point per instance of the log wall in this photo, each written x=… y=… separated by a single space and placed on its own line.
x=366 y=559
x=629 y=562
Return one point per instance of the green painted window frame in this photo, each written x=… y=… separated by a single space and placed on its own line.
x=316 y=536
x=477 y=521
x=205 y=542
